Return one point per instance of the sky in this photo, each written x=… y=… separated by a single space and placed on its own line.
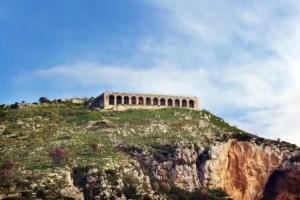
x=241 y=58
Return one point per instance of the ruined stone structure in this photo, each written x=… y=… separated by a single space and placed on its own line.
x=121 y=101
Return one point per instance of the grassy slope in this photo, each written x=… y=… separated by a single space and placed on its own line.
x=32 y=132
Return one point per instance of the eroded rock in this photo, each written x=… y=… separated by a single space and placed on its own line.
x=284 y=182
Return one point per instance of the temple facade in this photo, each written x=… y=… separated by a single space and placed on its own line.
x=121 y=101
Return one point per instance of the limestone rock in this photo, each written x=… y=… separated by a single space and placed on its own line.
x=70 y=190
x=284 y=182
x=2 y=129
x=240 y=168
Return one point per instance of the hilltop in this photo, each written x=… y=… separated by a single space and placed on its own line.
x=64 y=150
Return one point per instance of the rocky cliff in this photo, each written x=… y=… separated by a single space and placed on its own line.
x=66 y=151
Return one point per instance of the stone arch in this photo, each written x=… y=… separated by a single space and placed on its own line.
x=148 y=101
x=184 y=103
x=191 y=104
x=170 y=102
x=119 y=100
x=133 y=100
x=155 y=101
x=162 y=101
x=111 y=100
x=177 y=103
x=126 y=100
x=141 y=101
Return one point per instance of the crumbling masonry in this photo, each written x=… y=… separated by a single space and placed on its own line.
x=121 y=101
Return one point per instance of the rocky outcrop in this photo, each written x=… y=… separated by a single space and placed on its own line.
x=284 y=182
x=240 y=168
x=124 y=181
x=54 y=185
x=69 y=190
x=2 y=129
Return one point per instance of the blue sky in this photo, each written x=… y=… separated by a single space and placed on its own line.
x=240 y=57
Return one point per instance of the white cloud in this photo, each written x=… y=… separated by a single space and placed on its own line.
x=237 y=58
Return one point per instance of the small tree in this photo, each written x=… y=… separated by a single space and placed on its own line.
x=15 y=105
x=59 y=155
x=44 y=100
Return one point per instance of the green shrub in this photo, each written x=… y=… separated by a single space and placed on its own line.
x=259 y=140
x=15 y=105
x=217 y=194
x=130 y=187
x=112 y=177
x=44 y=100
x=242 y=137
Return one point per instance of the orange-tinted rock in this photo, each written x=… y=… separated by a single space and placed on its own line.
x=284 y=182
x=241 y=168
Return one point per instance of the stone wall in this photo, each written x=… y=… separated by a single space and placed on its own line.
x=120 y=101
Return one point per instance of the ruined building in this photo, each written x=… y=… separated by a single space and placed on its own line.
x=121 y=101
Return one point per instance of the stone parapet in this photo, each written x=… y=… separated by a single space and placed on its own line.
x=121 y=101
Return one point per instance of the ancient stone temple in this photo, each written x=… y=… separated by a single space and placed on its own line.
x=121 y=101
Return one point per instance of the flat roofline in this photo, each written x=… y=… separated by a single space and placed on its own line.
x=145 y=94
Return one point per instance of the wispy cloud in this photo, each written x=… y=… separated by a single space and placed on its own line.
x=241 y=59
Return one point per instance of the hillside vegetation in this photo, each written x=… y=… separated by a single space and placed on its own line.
x=48 y=137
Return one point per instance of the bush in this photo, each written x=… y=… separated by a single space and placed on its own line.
x=130 y=187
x=95 y=147
x=44 y=100
x=8 y=168
x=59 y=155
x=259 y=140
x=218 y=193
x=15 y=105
x=112 y=177
x=295 y=158
x=242 y=137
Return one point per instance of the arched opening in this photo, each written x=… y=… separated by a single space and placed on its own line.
x=184 y=103
x=119 y=100
x=162 y=102
x=141 y=101
x=111 y=100
x=126 y=100
x=191 y=104
x=155 y=101
x=148 y=101
x=177 y=103
x=170 y=102
x=133 y=100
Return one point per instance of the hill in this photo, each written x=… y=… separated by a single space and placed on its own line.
x=64 y=150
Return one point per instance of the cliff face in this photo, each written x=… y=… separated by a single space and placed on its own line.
x=242 y=169
x=284 y=182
